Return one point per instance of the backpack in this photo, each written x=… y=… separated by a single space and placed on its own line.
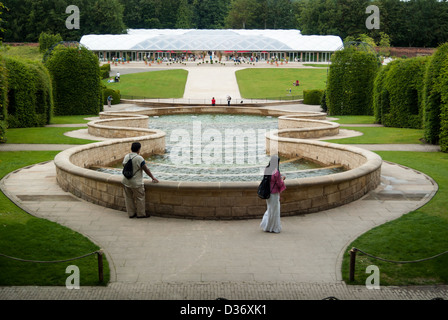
x=264 y=189
x=128 y=170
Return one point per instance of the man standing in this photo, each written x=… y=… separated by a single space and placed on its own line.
x=228 y=100
x=134 y=189
x=213 y=101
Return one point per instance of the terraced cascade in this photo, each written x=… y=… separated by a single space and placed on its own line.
x=209 y=161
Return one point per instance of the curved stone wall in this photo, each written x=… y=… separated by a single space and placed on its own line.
x=294 y=126
x=215 y=200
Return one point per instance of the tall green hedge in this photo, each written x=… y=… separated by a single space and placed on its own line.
x=76 y=81
x=350 y=82
x=398 y=93
x=432 y=94
x=3 y=100
x=30 y=102
x=381 y=103
x=442 y=87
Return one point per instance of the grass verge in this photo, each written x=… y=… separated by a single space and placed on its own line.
x=271 y=83
x=416 y=235
x=71 y=119
x=354 y=119
x=382 y=135
x=47 y=135
x=27 y=237
x=154 y=84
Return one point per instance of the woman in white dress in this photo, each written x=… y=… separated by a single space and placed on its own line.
x=271 y=219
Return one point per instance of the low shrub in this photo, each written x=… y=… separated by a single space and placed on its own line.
x=116 y=95
x=313 y=97
x=105 y=71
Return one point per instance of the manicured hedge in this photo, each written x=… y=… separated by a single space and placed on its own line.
x=432 y=94
x=350 y=82
x=76 y=81
x=47 y=40
x=442 y=87
x=398 y=93
x=105 y=71
x=3 y=100
x=381 y=104
x=323 y=102
x=313 y=97
x=30 y=99
x=116 y=96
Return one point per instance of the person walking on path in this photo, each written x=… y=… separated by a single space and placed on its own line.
x=271 y=218
x=229 y=98
x=134 y=189
x=213 y=101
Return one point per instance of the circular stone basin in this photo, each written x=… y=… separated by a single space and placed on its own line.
x=219 y=147
x=215 y=199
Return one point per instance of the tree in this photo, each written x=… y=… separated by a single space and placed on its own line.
x=210 y=14
x=184 y=15
x=107 y=17
x=46 y=40
x=241 y=13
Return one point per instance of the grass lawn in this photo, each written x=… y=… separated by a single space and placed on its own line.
x=71 y=119
x=354 y=119
x=27 y=237
x=22 y=52
x=271 y=83
x=380 y=135
x=153 y=84
x=416 y=235
x=316 y=65
x=47 y=135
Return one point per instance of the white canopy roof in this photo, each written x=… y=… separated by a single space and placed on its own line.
x=211 y=40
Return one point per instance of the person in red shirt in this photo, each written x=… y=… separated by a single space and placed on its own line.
x=213 y=101
x=271 y=218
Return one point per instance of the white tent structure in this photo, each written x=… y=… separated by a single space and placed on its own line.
x=263 y=44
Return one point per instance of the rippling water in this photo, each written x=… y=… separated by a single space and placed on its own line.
x=209 y=147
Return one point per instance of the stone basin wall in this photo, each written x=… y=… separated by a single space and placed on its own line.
x=215 y=200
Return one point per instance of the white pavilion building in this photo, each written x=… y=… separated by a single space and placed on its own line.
x=220 y=43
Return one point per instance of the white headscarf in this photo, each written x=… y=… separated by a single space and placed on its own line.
x=273 y=165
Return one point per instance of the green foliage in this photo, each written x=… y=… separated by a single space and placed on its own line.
x=27 y=19
x=313 y=97
x=432 y=94
x=30 y=98
x=381 y=103
x=442 y=87
x=350 y=82
x=76 y=81
x=3 y=100
x=105 y=71
x=323 y=102
x=116 y=96
x=47 y=40
x=398 y=93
